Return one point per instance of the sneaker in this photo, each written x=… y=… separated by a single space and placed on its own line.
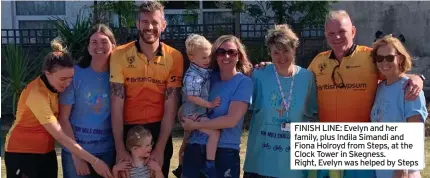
x=209 y=170
x=178 y=171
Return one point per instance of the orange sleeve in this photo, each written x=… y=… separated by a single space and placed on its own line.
x=177 y=70
x=39 y=105
x=116 y=73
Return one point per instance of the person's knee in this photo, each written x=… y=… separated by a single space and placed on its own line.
x=214 y=133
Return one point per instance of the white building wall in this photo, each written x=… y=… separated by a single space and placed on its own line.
x=6 y=15
x=410 y=18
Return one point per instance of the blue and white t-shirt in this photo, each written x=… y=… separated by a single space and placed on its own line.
x=90 y=118
x=390 y=105
x=268 y=148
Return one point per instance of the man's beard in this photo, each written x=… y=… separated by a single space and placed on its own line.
x=141 y=34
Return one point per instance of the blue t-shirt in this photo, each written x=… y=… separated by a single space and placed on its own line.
x=268 y=150
x=91 y=114
x=390 y=105
x=238 y=88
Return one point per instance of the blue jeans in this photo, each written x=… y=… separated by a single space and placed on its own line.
x=69 y=170
x=227 y=161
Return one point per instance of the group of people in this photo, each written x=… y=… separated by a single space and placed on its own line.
x=113 y=113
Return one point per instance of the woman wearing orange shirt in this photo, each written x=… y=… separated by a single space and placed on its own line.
x=30 y=143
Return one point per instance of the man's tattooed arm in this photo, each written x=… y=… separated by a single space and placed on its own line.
x=117 y=89
x=169 y=115
x=171 y=92
x=117 y=110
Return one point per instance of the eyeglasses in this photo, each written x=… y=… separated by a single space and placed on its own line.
x=223 y=52
x=388 y=58
x=337 y=78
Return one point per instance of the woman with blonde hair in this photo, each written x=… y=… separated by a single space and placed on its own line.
x=30 y=143
x=393 y=61
x=230 y=81
x=283 y=93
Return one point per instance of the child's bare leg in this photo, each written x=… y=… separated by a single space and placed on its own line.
x=212 y=142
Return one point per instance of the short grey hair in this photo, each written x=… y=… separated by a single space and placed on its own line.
x=335 y=14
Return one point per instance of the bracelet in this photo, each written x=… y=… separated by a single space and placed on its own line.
x=95 y=161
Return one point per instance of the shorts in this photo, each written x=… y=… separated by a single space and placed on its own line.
x=29 y=165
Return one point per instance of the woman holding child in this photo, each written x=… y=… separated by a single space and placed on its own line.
x=230 y=82
x=283 y=93
x=393 y=61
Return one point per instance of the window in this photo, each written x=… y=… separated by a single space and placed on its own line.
x=210 y=5
x=181 y=19
x=40 y=7
x=181 y=4
x=36 y=31
x=36 y=24
x=312 y=32
x=218 y=17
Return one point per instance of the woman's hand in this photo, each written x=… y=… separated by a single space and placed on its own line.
x=81 y=166
x=189 y=123
x=261 y=65
x=101 y=168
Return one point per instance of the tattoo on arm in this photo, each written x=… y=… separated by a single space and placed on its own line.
x=117 y=89
x=170 y=92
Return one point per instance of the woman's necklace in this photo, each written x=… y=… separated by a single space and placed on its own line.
x=284 y=102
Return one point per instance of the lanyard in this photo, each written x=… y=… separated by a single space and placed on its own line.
x=286 y=105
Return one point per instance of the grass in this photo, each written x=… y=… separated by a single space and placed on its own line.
x=177 y=143
x=177 y=140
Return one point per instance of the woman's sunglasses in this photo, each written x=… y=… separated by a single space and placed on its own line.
x=388 y=58
x=223 y=52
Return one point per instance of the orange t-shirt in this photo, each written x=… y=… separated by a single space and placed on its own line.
x=359 y=76
x=37 y=105
x=145 y=81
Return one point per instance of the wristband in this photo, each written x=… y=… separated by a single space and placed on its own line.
x=95 y=161
x=422 y=77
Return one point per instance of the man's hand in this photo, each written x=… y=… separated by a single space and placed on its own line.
x=158 y=156
x=123 y=156
x=81 y=166
x=154 y=166
x=123 y=166
x=413 y=87
x=261 y=65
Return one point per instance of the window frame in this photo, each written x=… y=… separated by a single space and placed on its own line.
x=35 y=17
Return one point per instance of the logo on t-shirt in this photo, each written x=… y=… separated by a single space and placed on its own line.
x=321 y=67
x=130 y=60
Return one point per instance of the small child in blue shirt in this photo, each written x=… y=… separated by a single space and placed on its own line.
x=195 y=91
